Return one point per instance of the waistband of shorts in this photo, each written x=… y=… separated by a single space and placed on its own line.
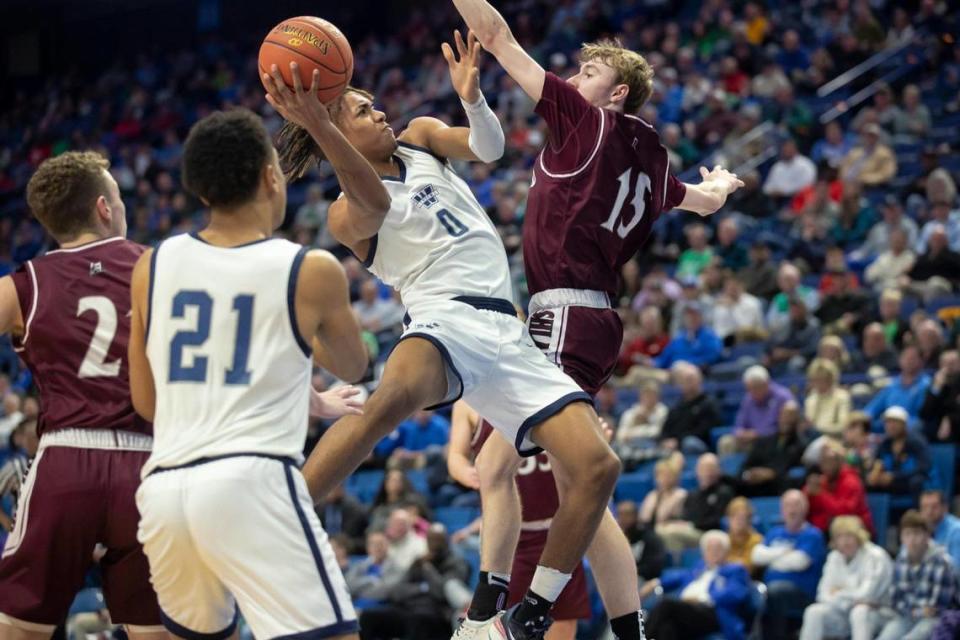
x=482 y=303
x=553 y=298
x=537 y=525
x=208 y=459
x=110 y=439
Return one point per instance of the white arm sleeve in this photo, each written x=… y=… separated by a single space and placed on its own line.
x=486 y=135
x=795 y=560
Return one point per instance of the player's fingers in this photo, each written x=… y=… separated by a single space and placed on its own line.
x=315 y=82
x=276 y=106
x=349 y=392
x=447 y=53
x=295 y=72
x=704 y=173
x=278 y=82
x=461 y=46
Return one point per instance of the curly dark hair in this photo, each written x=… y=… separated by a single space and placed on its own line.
x=297 y=149
x=224 y=156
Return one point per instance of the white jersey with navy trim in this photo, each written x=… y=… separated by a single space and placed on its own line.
x=231 y=371
x=437 y=242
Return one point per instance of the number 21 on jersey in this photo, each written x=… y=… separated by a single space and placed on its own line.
x=203 y=303
x=638 y=204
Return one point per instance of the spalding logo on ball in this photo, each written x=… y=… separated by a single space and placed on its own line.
x=313 y=43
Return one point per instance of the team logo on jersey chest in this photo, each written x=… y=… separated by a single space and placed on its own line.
x=426 y=197
x=95 y=268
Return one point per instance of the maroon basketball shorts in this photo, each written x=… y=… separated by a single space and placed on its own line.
x=79 y=493
x=579 y=332
x=573 y=603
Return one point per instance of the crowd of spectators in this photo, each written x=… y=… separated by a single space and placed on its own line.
x=813 y=317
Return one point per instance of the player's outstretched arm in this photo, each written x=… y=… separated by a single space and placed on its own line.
x=11 y=318
x=367 y=199
x=707 y=197
x=483 y=140
x=326 y=319
x=142 y=389
x=495 y=36
x=461 y=469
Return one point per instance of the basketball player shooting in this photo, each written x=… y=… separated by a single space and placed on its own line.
x=437 y=245
x=599 y=185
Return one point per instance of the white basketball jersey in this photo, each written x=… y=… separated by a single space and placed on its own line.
x=437 y=242
x=232 y=372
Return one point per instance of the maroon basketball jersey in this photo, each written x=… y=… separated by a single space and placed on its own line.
x=599 y=184
x=538 y=489
x=76 y=309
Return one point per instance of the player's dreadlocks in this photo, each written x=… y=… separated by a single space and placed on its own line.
x=297 y=149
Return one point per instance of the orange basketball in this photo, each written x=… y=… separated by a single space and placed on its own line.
x=313 y=43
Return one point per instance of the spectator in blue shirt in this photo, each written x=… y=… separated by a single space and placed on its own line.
x=924 y=583
x=415 y=437
x=792 y=57
x=793 y=555
x=833 y=147
x=908 y=390
x=903 y=459
x=695 y=344
x=944 y=525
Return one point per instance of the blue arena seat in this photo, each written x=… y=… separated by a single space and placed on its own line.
x=879 y=505
x=716 y=433
x=456 y=518
x=944 y=464
x=767 y=511
x=732 y=463
x=364 y=485
x=418 y=478
x=633 y=486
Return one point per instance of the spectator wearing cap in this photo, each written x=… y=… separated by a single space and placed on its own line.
x=905 y=392
x=788 y=281
x=924 y=583
x=791 y=173
x=878 y=240
x=792 y=555
x=738 y=315
x=833 y=147
x=942 y=219
x=836 y=489
x=728 y=250
x=856 y=582
x=903 y=458
x=699 y=254
x=936 y=271
x=688 y=424
x=870 y=163
x=892 y=264
x=695 y=343
x=944 y=526
x=759 y=411
x=765 y=469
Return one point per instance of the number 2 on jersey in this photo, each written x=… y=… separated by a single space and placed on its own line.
x=638 y=204
x=197 y=372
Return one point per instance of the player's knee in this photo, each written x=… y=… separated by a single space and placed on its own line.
x=599 y=472
x=496 y=468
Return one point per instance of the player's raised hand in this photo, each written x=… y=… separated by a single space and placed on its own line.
x=335 y=403
x=722 y=177
x=464 y=73
x=299 y=106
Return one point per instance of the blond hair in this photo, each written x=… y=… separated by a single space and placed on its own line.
x=739 y=504
x=851 y=525
x=64 y=190
x=822 y=366
x=632 y=70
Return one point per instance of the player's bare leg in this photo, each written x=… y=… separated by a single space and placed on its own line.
x=11 y=632
x=415 y=377
x=612 y=561
x=562 y=630
x=497 y=466
x=161 y=634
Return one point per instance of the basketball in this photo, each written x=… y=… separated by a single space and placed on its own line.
x=313 y=43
